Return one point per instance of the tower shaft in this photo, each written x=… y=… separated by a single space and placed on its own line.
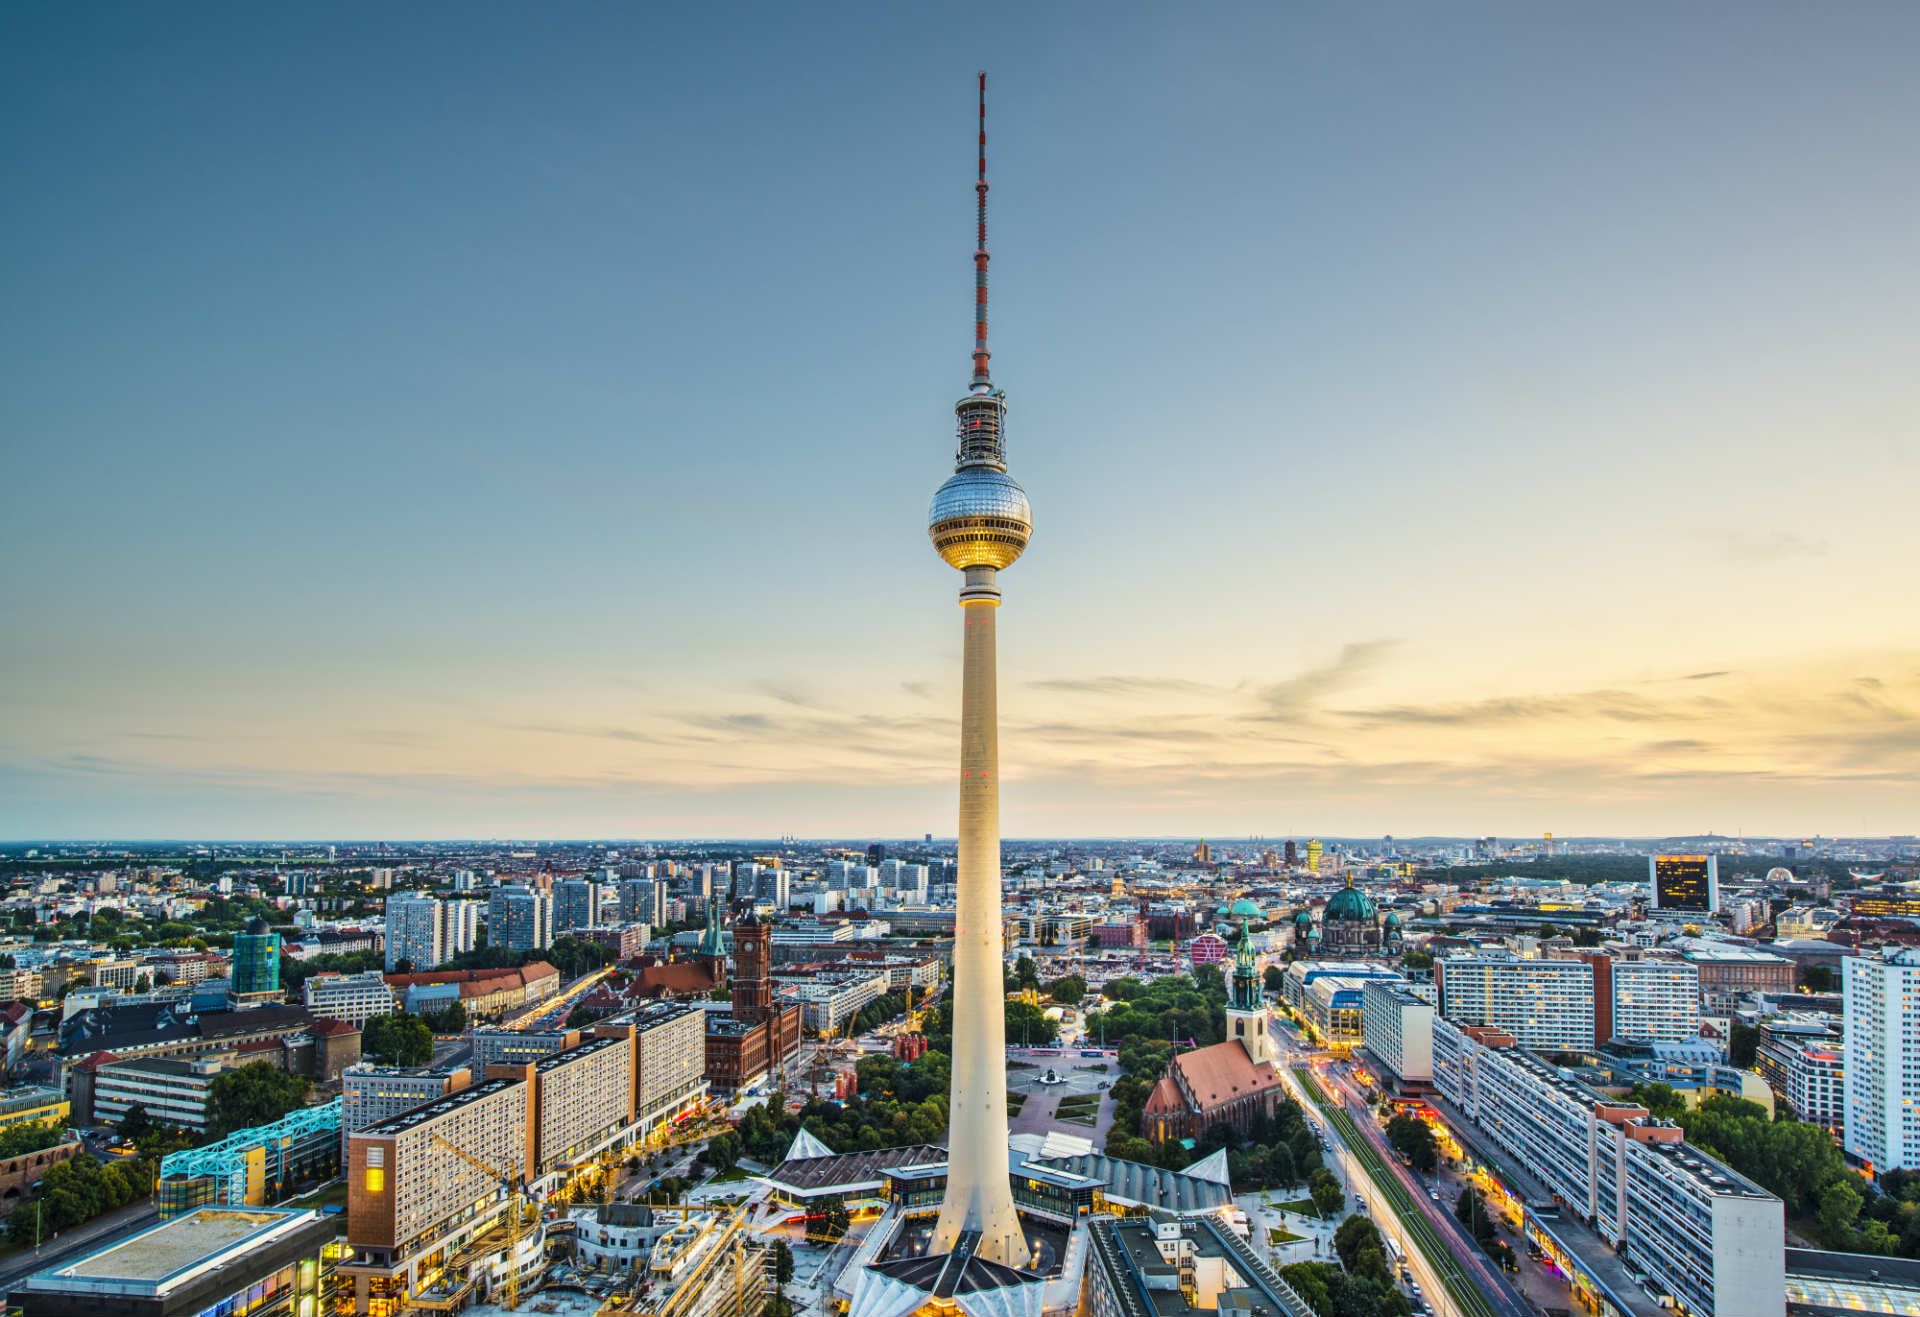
x=979 y=1196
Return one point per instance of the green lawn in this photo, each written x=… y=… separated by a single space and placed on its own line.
x=1466 y=1294
x=1299 y=1206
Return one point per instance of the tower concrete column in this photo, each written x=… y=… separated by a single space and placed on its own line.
x=979 y=1196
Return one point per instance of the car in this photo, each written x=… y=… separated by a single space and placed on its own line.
x=1434 y=1194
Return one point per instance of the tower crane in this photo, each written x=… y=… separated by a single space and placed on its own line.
x=515 y=1195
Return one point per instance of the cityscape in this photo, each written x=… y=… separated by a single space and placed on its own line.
x=392 y=922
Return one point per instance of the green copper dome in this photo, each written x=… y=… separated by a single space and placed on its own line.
x=1350 y=905
x=1304 y=919
x=1245 y=909
x=1393 y=919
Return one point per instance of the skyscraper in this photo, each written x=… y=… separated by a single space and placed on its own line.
x=979 y=523
x=575 y=904
x=519 y=919
x=1882 y=1055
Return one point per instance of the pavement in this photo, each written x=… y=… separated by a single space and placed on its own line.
x=1040 y=1113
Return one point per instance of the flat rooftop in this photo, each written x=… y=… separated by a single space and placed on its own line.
x=434 y=1110
x=161 y=1257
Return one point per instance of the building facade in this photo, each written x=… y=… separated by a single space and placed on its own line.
x=1547 y=1005
x=1398 y=1029
x=1881 y=1084
x=355 y=998
x=520 y=919
x=1705 y=1235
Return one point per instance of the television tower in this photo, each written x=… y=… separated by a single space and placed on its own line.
x=979 y=523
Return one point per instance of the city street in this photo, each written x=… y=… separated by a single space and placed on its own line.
x=1491 y=1295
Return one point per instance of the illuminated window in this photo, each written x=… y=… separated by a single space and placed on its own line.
x=376 y=1180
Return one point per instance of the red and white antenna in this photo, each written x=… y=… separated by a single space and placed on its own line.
x=981 y=382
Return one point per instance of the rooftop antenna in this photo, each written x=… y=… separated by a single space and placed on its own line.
x=981 y=382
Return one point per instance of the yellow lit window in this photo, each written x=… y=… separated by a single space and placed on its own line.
x=376 y=1180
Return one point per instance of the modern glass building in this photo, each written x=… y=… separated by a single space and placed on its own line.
x=256 y=961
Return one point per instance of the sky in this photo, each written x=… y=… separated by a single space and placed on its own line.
x=519 y=421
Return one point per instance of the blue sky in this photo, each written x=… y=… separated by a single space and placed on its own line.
x=506 y=421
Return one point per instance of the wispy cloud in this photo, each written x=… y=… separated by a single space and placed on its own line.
x=1304 y=690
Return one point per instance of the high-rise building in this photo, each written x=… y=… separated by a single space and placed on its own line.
x=1881 y=1004
x=1686 y=883
x=256 y=962
x=1547 y=1005
x=519 y=919
x=1314 y=852
x=424 y=933
x=1398 y=1028
x=643 y=901
x=1649 y=997
x=574 y=902
x=979 y=523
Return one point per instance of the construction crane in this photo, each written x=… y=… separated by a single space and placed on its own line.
x=516 y=1198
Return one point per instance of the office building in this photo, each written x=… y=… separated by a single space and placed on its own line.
x=1397 y=1026
x=256 y=963
x=516 y=1047
x=171 y=1091
x=355 y=998
x=258 y=1261
x=1881 y=1004
x=253 y=1167
x=1547 y=1005
x=1729 y=972
x=519 y=919
x=1705 y=1235
x=1684 y=884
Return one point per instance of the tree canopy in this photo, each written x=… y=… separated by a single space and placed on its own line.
x=255 y=1094
x=397 y=1039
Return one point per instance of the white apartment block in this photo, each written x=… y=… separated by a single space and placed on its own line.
x=1881 y=1111
x=1703 y=1233
x=355 y=998
x=585 y=1097
x=670 y=1057
x=426 y=932
x=371 y=1093
x=1547 y=1005
x=1654 y=999
x=1398 y=1029
x=172 y=1091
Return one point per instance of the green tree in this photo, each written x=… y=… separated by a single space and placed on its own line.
x=1662 y=1100
x=1068 y=990
x=1325 y=1191
x=1743 y=1042
x=1817 y=978
x=1274 y=979
x=451 y=1020
x=1414 y=1140
x=253 y=1095
x=782 y=1262
x=397 y=1039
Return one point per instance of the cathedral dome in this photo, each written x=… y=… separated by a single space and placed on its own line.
x=1350 y=905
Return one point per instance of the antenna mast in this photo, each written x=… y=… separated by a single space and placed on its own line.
x=981 y=382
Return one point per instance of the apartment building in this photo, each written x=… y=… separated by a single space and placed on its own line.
x=1547 y=1005
x=412 y=1200
x=576 y=904
x=1398 y=1029
x=371 y=1093
x=1703 y=1233
x=424 y=933
x=1803 y=1060
x=520 y=919
x=1643 y=996
x=1881 y=1004
x=669 y=1057
x=355 y=998
x=583 y=1097
x=493 y=1047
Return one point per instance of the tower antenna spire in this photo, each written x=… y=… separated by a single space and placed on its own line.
x=981 y=382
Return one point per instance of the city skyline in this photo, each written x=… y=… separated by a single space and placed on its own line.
x=1509 y=418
